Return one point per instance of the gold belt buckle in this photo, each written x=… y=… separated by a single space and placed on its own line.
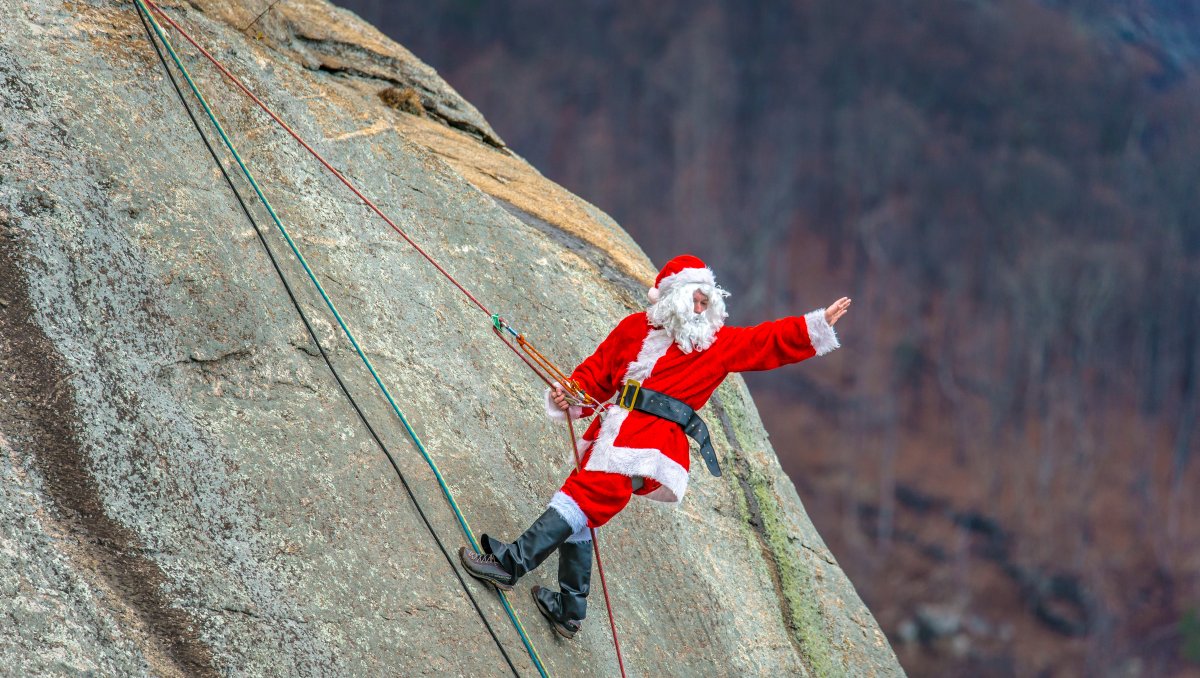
x=637 y=387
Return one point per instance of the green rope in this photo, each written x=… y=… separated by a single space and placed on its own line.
x=462 y=521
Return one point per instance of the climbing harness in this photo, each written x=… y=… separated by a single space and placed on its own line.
x=543 y=367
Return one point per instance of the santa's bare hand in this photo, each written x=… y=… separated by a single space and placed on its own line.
x=559 y=397
x=836 y=310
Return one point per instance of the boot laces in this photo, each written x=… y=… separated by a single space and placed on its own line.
x=485 y=559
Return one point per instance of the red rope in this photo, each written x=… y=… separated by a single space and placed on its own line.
x=367 y=201
x=612 y=619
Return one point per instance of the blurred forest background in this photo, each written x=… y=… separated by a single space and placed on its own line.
x=1003 y=455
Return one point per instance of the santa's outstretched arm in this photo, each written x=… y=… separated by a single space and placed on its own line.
x=781 y=342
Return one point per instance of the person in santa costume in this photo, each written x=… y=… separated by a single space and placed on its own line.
x=662 y=364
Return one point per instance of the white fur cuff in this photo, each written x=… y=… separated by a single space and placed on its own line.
x=820 y=332
x=581 y=535
x=569 y=510
x=556 y=414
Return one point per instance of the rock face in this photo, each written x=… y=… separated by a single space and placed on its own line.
x=186 y=491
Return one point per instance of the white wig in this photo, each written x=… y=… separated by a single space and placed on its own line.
x=674 y=311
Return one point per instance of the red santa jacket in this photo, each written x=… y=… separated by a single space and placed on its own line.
x=634 y=443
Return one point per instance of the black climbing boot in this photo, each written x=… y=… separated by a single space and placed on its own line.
x=485 y=566
x=502 y=563
x=566 y=608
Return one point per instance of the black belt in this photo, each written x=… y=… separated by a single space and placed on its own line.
x=634 y=397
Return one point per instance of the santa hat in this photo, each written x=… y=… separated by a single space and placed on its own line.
x=682 y=270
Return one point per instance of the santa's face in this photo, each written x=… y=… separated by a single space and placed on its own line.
x=692 y=314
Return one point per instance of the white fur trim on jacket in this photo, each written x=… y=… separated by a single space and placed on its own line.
x=569 y=510
x=654 y=346
x=581 y=448
x=556 y=414
x=647 y=462
x=820 y=332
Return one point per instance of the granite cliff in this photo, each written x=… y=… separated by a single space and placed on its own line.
x=186 y=491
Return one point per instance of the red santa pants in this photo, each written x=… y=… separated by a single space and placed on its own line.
x=602 y=495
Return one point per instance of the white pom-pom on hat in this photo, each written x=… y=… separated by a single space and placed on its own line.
x=653 y=294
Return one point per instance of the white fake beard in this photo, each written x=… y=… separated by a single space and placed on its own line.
x=674 y=312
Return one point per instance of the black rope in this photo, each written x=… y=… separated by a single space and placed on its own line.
x=312 y=333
